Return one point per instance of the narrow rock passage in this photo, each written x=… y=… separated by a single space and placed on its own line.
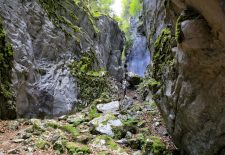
x=129 y=126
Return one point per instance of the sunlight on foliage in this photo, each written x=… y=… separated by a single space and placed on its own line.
x=135 y=7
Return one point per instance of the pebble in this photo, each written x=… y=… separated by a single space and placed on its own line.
x=18 y=140
x=157 y=124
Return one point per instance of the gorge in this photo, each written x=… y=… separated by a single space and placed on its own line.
x=62 y=73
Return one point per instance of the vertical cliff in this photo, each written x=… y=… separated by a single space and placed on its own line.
x=186 y=38
x=46 y=37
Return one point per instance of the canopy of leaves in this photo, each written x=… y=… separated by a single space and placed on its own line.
x=135 y=7
x=100 y=6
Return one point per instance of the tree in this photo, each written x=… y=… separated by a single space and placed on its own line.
x=135 y=7
x=102 y=6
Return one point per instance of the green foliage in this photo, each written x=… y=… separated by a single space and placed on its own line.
x=6 y=64
x=119 y=132
x=41 y=144
x=76 y=148
x=146 y=85
x=135 y=7
x=65 y=18
x=162 y=56
x=92 y=82
x=59 y=146
x=158 y=148
x=110 y=143
x=186 y=15
x=93 y=112
x=70 y=129
x=130 y=8
x=101 y=6
x=52 y=125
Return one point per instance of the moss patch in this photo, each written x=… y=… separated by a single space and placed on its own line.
x=7 y=106
x=54 y=9
x=163 y=58
x=146 y=85
x=109 y=142
x=92 y=82
x=41 y=144
x=158 y=148
x=62 y=14
x=186 y=15
x=59 y=146
x=76 y=148
x=70 y=129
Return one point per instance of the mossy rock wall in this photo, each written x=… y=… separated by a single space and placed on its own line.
x=47 y=36
x=191 y=100
x=7 y=106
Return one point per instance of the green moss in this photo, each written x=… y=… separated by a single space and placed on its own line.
x=78 y=122
x=119 y=132
x=108 y=117
x=93 y=112
x=109 y=142
x=77 y=148
x=52 y=125
x=162 y=57
x=158 y=148
x=62 y=16
x=92 y=82
x=146 y=85
x=59 y=146
x=130 y=122
x=41 y=144
x=186 y=15
x=130 y=125
x=7 y=106
x=137 y=142
x=70 y=129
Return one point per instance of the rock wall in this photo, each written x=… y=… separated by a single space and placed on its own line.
x=186 y=38
x=46 y=36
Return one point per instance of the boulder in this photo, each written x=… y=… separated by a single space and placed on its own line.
x=104 y=123
x=133 y=79
x=111 y=107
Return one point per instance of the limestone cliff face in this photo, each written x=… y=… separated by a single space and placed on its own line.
x=46 y=35
x=186 y=38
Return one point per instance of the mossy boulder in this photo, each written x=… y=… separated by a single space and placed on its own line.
x=134 y=79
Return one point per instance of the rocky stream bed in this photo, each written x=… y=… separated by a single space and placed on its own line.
x=126 y=127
